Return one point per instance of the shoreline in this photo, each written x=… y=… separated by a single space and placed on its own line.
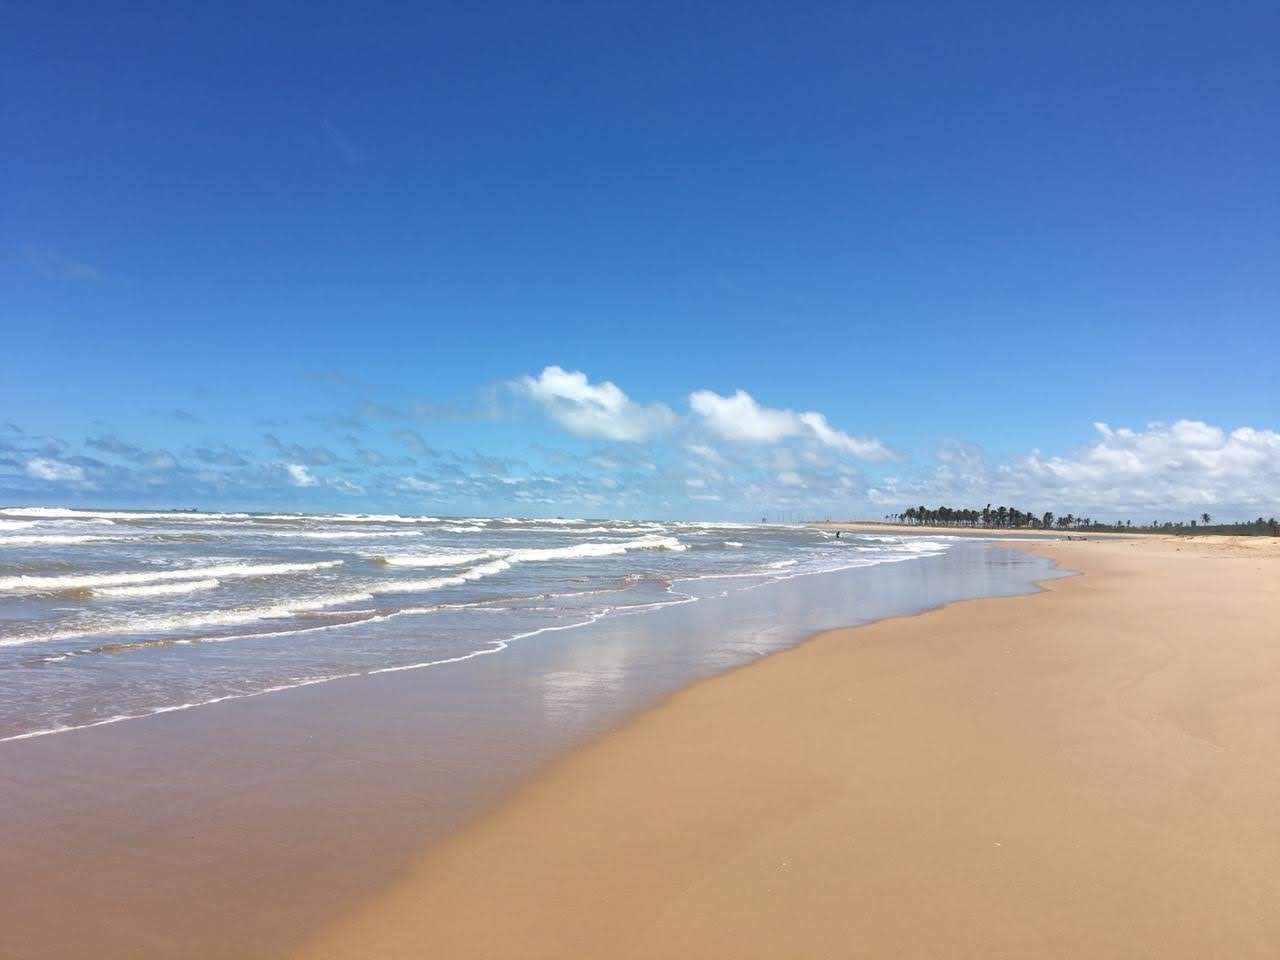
x=149 y=827
x=986 y=533
x=792 y=806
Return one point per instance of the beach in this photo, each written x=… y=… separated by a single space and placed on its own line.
x=903 y=748
x=222 y=773
x=1090 y=771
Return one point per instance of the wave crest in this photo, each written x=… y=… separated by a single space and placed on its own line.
x=26 y=584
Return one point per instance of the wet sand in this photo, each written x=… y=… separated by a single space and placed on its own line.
x=1093 y=771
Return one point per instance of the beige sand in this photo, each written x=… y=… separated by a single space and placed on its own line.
x=1092 y=772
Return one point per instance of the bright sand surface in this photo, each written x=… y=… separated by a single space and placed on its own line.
x=1092 y=771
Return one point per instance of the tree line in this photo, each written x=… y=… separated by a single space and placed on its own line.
x=1006 y=518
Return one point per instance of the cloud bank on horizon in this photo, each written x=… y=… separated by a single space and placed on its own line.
x=708 y=454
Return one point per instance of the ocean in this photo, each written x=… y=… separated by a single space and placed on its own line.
x=108 y=616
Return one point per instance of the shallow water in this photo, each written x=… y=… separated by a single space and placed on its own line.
x=110 y=615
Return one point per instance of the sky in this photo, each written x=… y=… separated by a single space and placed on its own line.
x=714 y=260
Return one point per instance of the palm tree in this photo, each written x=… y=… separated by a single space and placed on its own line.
x=1205 y=518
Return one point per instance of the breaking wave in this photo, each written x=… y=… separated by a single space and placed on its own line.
x=25 y=584
x=156 y=589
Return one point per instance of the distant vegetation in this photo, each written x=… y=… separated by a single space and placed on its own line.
x=1010 y=518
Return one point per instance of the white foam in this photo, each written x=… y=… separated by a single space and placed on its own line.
x=721 y=525
x=733 y=543
x=496 y=564
x=538 y=554
x=345 y=517
x=188 y=621
x=335 y=534
x=58 y=539
x=438 y=559
x=66 y=512
x=435 y=583
x=917 y=546
x=596 y=549
x=156 y=589
x=617 y=529
x=69 y=513
x=25 y=584
x=533 y=521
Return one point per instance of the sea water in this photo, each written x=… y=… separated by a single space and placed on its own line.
x=107 y=616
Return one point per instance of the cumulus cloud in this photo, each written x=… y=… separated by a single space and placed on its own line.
x=299 y=475
x=864 y=448
x=1141 y=475
x=740 y=418
x=599 y=410
x=1187 y=463
x=46 y=468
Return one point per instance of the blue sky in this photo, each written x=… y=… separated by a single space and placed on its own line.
x=970 y=235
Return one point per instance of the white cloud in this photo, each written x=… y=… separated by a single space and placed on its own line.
x=346 y=486
x=710 y=454
x=789 y=478
x=742 y=419
x=1187 y=466
x=46 y=468
x=599 y=410
x=299 y=475
x=864 y=448
x=416 y=485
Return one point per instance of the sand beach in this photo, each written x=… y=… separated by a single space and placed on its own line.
x=1086 y=772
